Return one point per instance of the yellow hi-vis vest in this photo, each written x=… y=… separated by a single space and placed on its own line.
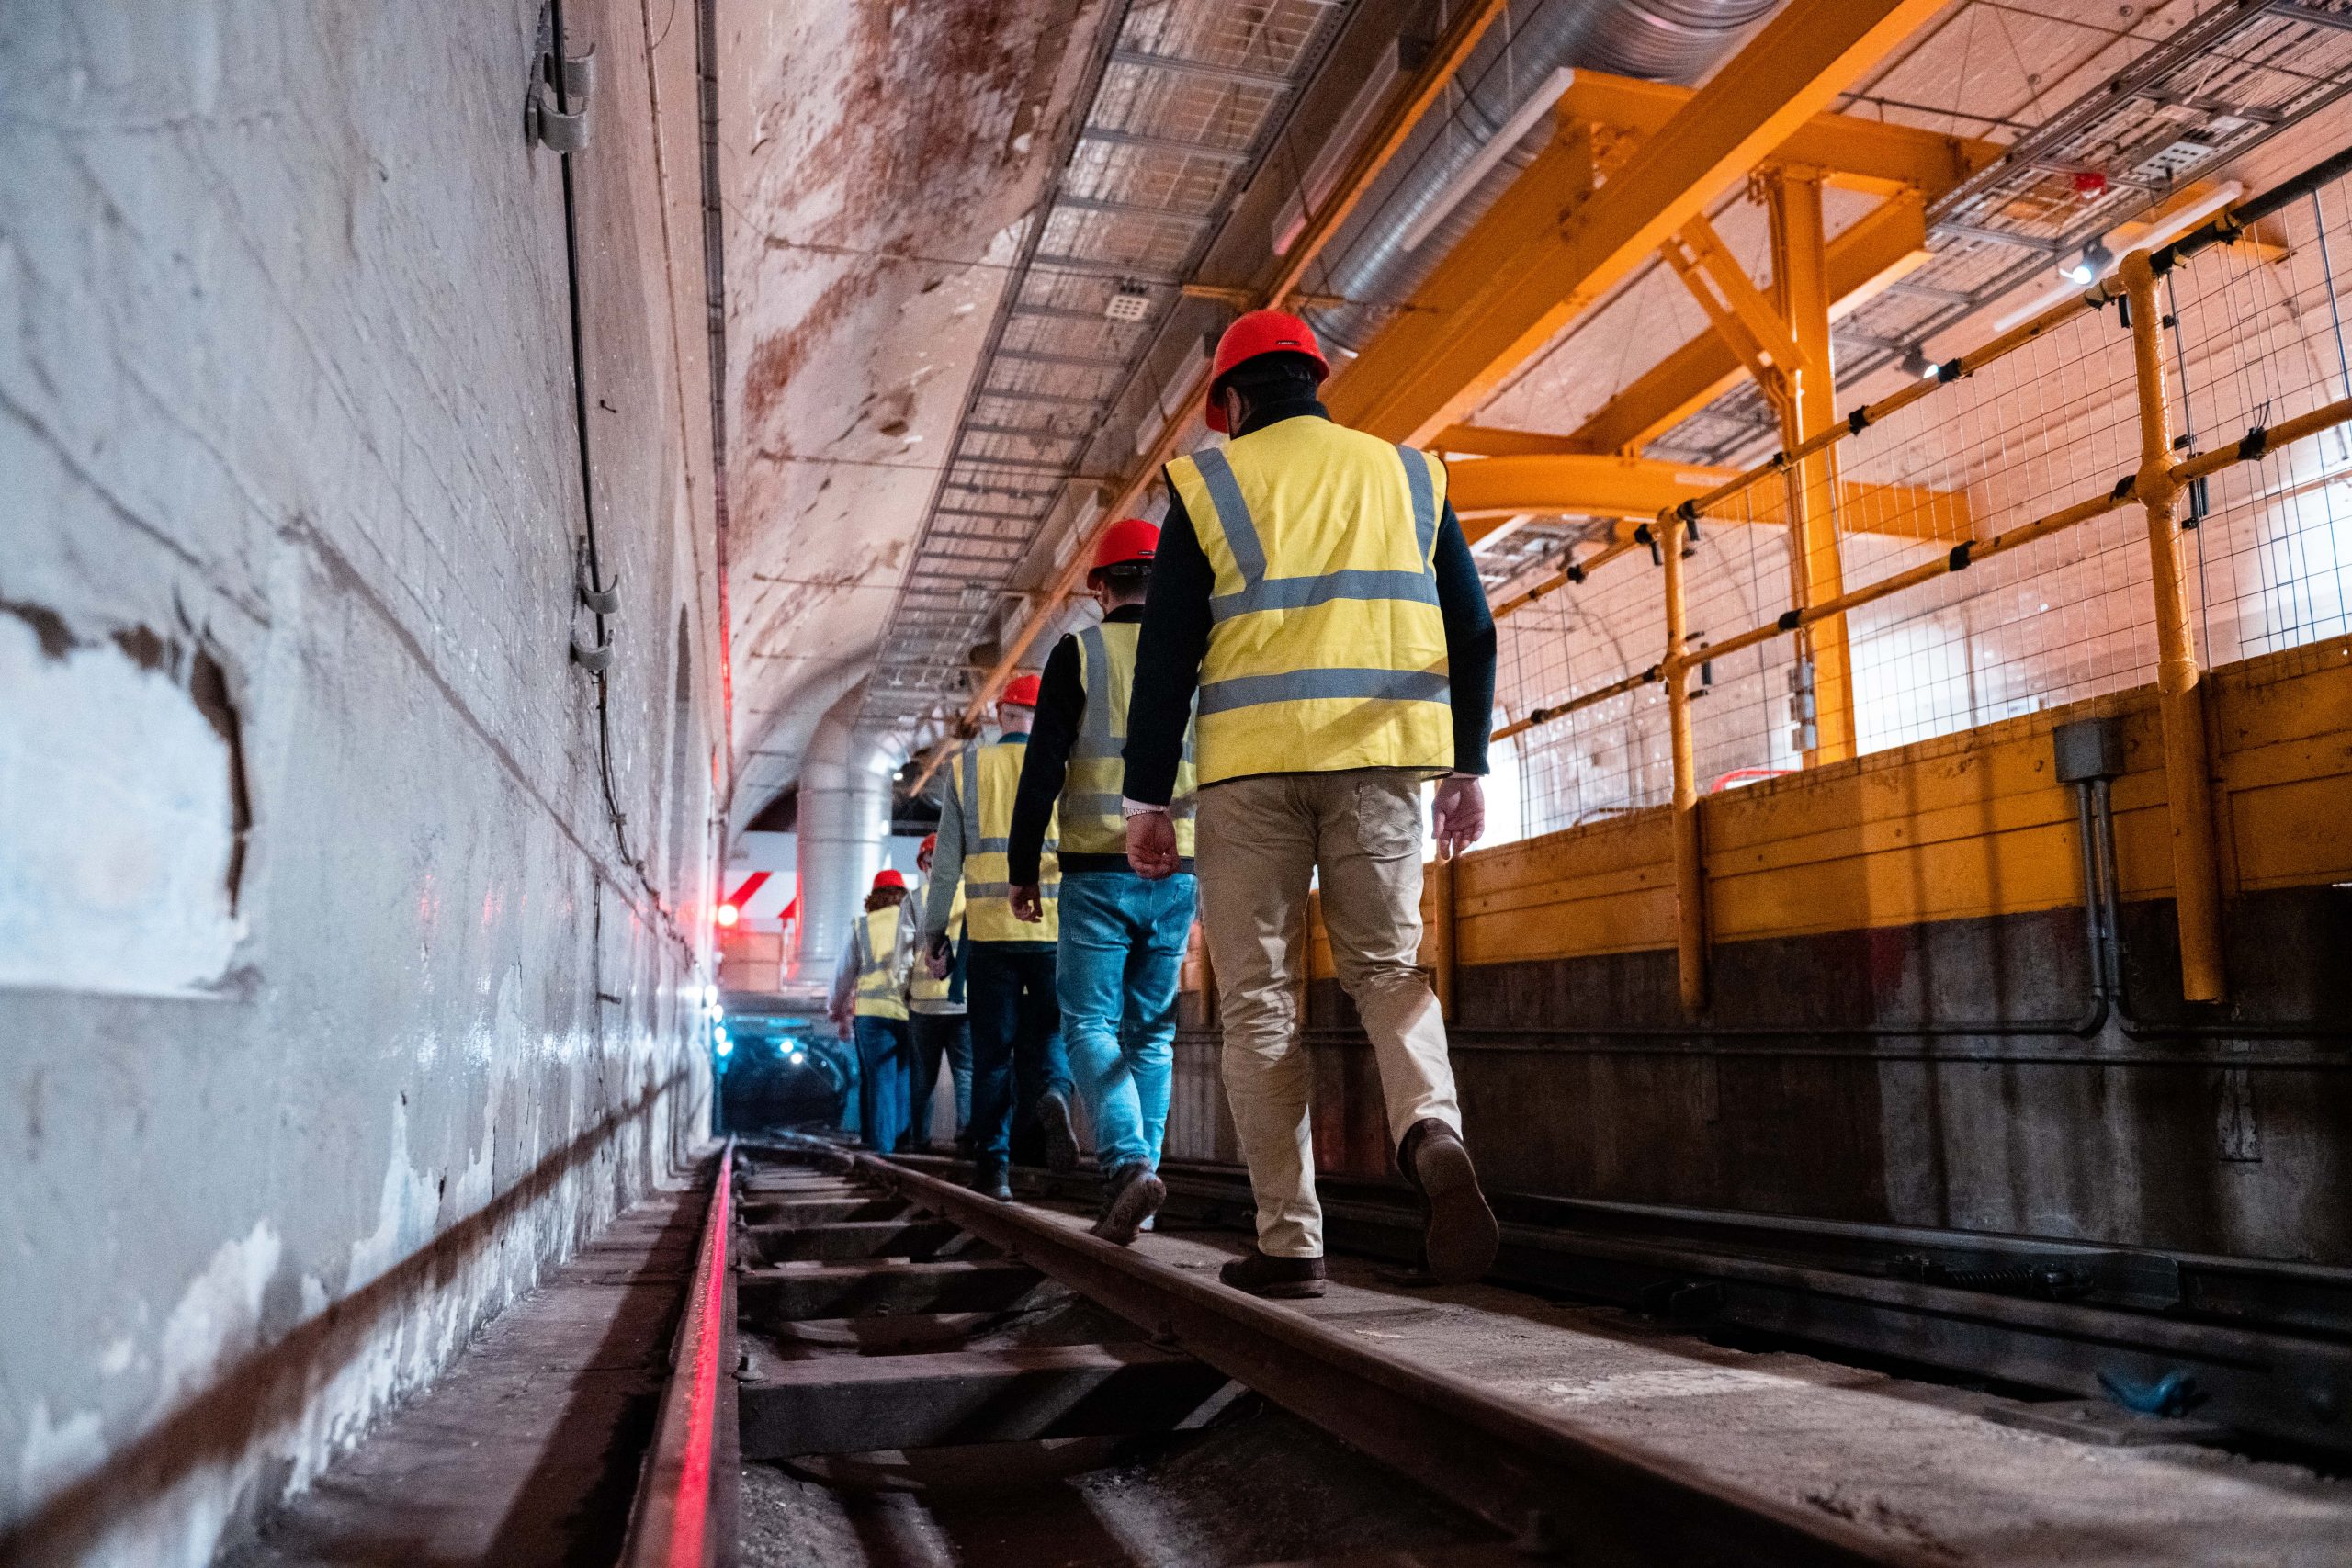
x=980 y=790
x=1326 y=647
x=875 y=935
x=1092 y=822
x=920 y=987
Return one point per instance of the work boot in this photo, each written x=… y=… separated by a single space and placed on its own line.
x=989 y=1179
x=1061 y=1138
x=1458 y=1233
x=1135 y=1195
x=1287 y=1278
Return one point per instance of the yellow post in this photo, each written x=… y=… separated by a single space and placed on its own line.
x=2180 y=684
x=1802 y=293
x=1690 y=865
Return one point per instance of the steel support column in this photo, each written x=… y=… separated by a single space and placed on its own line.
x=1689 y=861
x=2180 y=684
x=1807 y=407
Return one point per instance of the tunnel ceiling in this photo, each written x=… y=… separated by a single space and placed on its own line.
x=879 y=162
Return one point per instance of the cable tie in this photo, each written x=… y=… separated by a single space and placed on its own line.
x=1641 y=534
x=2254 y=443
x=1781 y=460
x=1687 y=511
x=1858 y=421
x=1959 y=558
x=1790 y=620
x=1576 y=574
x=2123 y=487
x=1950 y=369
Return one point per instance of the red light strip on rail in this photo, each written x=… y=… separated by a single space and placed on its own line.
x=690 y=1522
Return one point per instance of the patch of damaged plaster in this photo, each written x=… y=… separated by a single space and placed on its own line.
x=219 y=1316
x=124 y=823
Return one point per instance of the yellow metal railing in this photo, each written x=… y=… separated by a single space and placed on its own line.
x=2157 y=483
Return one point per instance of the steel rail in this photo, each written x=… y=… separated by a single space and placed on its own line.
x=684 y=1517
x=2261 y=1348
x=1544 y=1479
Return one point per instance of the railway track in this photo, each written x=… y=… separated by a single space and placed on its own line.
x=2165 y=1347
x=845 y=1305
x=871 y=1317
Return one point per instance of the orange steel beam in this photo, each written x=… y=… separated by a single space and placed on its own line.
x=1469 y=25
x=1856 y=153
x=1495 y=300
x=1873 y=251
x=1486 y=491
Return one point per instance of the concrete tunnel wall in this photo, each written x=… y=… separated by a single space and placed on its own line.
x=332 y=1010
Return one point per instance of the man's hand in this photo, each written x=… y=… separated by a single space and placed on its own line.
x=940 y=959
x=1460 y=815
x=1028 y=902
x=841 y=1024
x=1151 y=845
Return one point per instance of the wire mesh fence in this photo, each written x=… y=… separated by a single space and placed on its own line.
x=1944 y=479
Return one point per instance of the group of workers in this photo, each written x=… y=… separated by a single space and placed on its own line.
x=1281 y=667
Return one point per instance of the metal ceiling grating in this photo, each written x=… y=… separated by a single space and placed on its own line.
x=1186 y=102
x=2202 y=96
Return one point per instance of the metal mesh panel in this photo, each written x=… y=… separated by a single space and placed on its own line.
x=2253 y=336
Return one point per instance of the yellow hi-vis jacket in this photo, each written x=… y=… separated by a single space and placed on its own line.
x=924 y=993
x=1092 y=822
x=1327 y=651
x=980 y=788
x=875 y=935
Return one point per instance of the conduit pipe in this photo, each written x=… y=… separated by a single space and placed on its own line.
x=843 y=825
x=1403 y=237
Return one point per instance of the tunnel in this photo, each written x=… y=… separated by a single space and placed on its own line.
x=1212 y=783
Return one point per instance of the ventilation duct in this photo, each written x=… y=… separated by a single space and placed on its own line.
x=843 y=826
x=1668 y=40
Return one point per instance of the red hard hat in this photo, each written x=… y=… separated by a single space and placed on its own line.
x=930 y=842
x=1021 y=691
x=1261 y=331
x=888 y=878
x=1126 y=542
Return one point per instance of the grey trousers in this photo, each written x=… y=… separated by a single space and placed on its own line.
x=1260 y=842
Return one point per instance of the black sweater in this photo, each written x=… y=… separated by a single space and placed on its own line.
x=1061 y=708
x=1176 y=636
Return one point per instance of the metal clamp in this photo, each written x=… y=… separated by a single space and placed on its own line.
x=595 y=658
x=598 y=599
x=550 y=126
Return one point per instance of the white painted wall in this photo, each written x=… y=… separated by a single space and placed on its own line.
x=288 y=490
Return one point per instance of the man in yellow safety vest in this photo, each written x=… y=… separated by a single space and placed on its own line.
x=1018 y=1064
x=1123 y=935
x=1315 y=592
x=870 y=1004
x=936 y=1005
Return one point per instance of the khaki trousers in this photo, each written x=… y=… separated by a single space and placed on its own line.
x=1260 y=841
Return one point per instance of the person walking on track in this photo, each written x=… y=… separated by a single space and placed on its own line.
x=935 y=1004
x=1315 y=590
x=869 y=1005
x=1017 y=1056
x=1122 y=936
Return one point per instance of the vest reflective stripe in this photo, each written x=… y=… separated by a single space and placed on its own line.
x=1092 y=821
x=876 y=938
x=921 y=986
x=1327 y=647
x=984 y=782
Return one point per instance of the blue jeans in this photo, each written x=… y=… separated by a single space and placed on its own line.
x=885 y=1081
x=1016 y=1041
x=1122 y=956
x=937 y=1035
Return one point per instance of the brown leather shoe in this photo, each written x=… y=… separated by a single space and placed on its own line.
x=1460 y=1238
x=1135 y=1195
x=1285 y=1278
